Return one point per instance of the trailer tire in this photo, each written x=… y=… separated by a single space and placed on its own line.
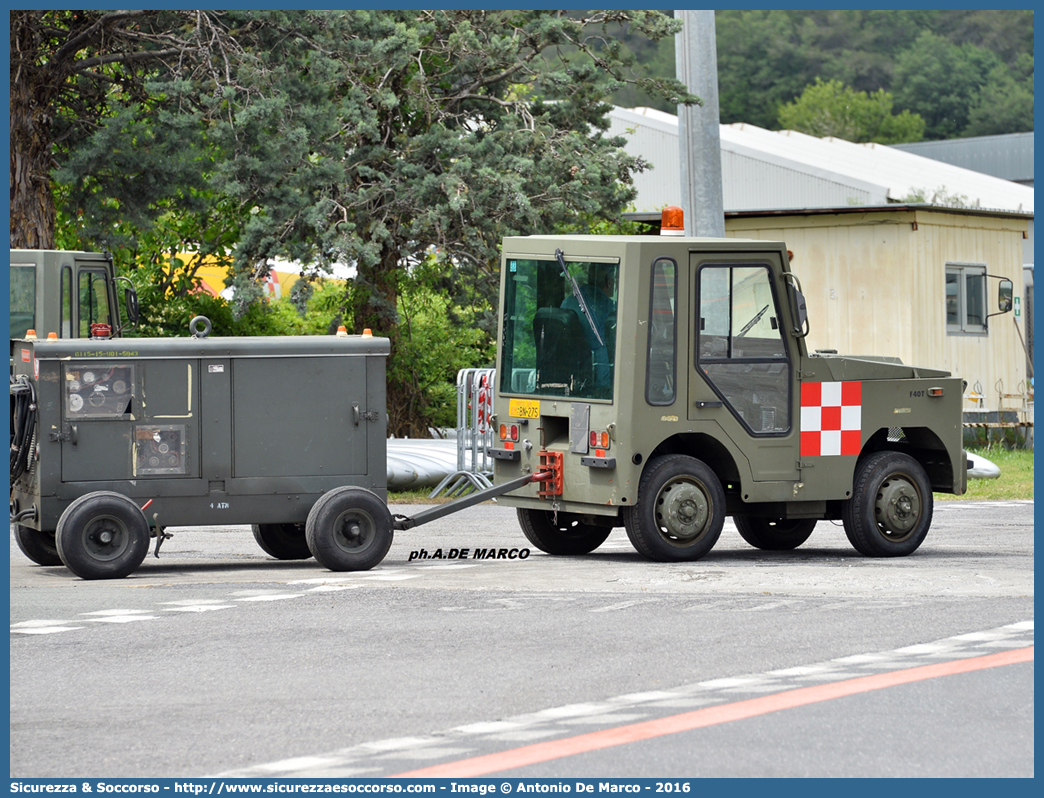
x=102 y=535
x=37 y=545
x=569 y=535
x=774 y=534
x=680 y=510
x=891 y=507
x=282 y=541
x=349 y=529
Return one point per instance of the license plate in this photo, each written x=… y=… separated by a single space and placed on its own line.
x=524 y=408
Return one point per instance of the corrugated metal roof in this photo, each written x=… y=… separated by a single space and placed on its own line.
x=1008 y=156
x=785 y=169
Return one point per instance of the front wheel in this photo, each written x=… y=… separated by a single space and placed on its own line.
x=680 y=510
x=774 y=534
x=891 y=506
x=38 y=546
x=102 y=535
x=349 y=529
x=282 y=541
x=564 y=534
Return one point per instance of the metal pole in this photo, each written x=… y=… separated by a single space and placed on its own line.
x=699 y=137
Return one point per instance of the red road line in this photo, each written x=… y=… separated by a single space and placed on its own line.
x=710 y=716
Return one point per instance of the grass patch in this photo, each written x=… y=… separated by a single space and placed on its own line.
x=414 y=497
x=1015 y=480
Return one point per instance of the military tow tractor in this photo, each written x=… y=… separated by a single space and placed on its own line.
x=70 y=294
x=665 y=384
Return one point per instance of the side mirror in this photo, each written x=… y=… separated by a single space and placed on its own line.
x=799 y=310
x=130 y=301
x=1004 y=296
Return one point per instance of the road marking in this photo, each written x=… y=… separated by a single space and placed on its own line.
x=271 y=597
x=559 y=722
x=119 y=616
x=42 y=627
x=710 y=716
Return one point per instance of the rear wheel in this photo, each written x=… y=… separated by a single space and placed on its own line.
x=102 y=535
x=38 y=546
x=282 y=541
x=680 y=510
x=891 y=506
x=567 y=534
x=349 y=529
x=774 y=534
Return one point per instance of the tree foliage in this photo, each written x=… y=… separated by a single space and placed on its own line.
x=766 y=58
x=832 y=109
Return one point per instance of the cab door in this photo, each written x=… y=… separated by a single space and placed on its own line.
x=740 y=371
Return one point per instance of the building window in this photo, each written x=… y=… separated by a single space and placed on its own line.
x=965 y=298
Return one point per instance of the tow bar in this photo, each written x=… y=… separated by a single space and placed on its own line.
x=403 y=522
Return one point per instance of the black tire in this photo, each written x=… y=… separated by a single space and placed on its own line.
x=102 y=535
x=890 y=511
x=569 y=535
x=680 y=510
x=774 y=534
x=282 y=541
x=349 y=529
x=38 y=546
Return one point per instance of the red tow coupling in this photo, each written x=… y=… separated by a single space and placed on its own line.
x=550 y=473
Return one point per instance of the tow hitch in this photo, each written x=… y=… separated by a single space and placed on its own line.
x=402 y=522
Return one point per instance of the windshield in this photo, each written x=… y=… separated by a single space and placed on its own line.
x=559 y=328
x=23 y=299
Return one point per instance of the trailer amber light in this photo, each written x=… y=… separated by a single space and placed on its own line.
x=503 y=432
x=935 y=391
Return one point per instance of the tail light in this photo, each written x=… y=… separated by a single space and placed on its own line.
x=599 y=440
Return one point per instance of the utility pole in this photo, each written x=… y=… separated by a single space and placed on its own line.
x=699 y=137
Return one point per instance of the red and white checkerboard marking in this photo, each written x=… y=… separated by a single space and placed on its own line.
x=831 y=418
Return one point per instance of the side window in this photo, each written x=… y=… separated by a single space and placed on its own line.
x=740 y=348
x=66 y=320
x=965 y=298
x=94 y=300
x=663 y=335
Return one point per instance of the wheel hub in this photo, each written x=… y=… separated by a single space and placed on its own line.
x=898 y=507
x=355 y=531
x=683 y=510
x=105 y=539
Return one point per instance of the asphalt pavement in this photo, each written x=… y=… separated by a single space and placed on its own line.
x=215 y=660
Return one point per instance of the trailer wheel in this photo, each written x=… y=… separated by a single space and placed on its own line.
x=102 y=535
x=282 y=541
x=891 y=506
x=774 y=534
x=38 y=546
x=349 y=529
x=680 y=510
x=569 y=535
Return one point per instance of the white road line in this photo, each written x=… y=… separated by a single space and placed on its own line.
x=45 y=630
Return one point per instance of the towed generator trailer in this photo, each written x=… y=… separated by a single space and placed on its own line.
x=114 y=441
x=656 y=383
